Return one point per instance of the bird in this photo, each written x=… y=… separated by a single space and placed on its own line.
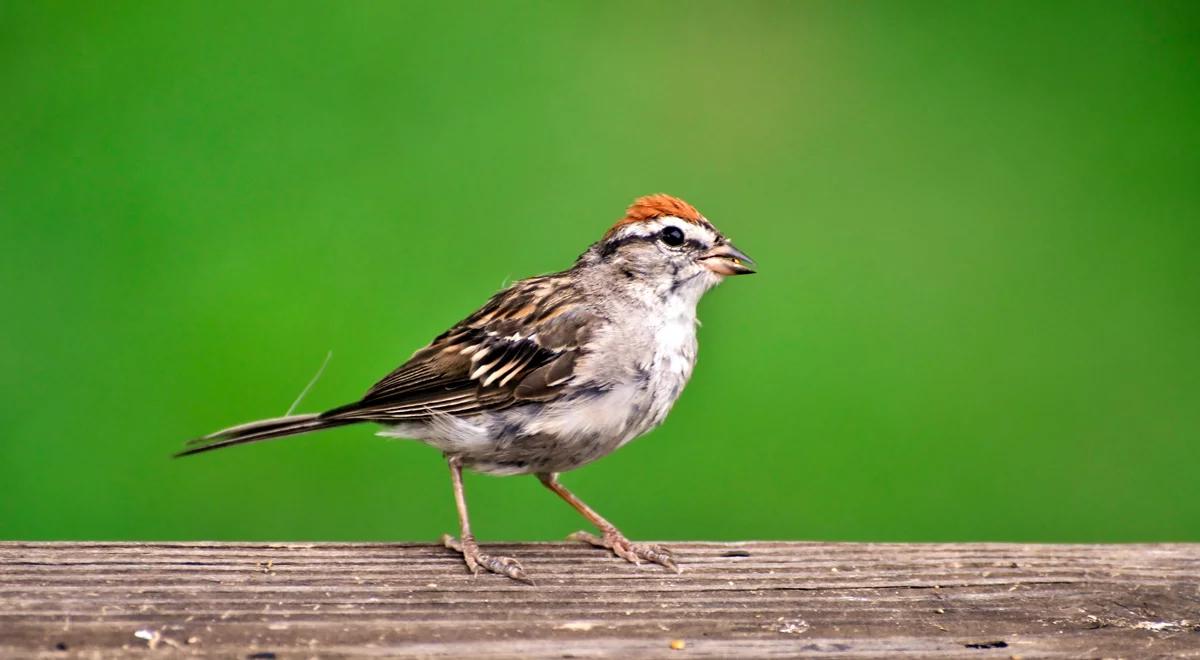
x=552 y=372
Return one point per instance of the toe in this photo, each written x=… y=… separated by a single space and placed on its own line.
x=513 y=569
x=625 y=550
x=451 y=542
x=506 y=566
x=589 y=538
x=634 y=553
x=657 y=554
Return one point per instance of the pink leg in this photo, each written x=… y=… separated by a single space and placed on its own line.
x=467 y=546
x=612 y=538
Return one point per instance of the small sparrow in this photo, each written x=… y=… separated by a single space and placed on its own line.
x=553 y=372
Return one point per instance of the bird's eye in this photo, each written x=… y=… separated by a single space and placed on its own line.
x=672 y=236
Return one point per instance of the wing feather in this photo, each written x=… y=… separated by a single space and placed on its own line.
x=521 y=346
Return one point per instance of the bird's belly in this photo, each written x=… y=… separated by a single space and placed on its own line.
x=565 y=434
x=571 y=433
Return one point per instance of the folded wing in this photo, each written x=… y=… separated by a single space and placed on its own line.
x=521 y=346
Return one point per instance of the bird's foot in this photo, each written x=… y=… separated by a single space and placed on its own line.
x=634 y=553
x=476 y=560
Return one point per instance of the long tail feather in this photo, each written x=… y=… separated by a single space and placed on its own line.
x=265 y=429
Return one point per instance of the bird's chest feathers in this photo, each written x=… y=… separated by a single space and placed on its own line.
x=674 y=350
x=667 y=367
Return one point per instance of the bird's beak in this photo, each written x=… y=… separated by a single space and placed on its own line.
x=725 y=259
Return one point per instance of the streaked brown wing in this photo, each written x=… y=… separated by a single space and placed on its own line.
x=521 y=346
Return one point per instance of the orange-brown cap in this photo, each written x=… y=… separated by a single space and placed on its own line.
x=657 y=206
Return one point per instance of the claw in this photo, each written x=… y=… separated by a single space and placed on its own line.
x=506 y=566
x=633 y=553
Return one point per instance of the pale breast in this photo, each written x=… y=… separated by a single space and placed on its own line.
x=670 y=368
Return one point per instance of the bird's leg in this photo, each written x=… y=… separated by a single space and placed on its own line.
x=467 y=545
x=612 y=538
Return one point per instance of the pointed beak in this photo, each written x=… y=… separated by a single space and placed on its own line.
x=725 y=259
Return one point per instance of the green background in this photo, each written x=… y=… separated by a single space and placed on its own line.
x=977 y=314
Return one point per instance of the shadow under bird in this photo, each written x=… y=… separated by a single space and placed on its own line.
x=552 y=372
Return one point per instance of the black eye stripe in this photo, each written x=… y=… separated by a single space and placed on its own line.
x=613 y=244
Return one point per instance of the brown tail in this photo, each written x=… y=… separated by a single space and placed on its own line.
x=265 y=429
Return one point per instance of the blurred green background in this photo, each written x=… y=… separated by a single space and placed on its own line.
x=978 y=223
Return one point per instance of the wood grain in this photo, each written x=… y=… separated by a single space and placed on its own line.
x=733 y=599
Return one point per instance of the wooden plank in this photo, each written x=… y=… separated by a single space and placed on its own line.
x=755 y=598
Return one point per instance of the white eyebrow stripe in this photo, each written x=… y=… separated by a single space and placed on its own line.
x=702 y=231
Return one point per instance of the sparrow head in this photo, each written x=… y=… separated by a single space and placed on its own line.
x=663 y=239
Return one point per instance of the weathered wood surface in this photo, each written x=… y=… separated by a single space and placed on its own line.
x=757 y=599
